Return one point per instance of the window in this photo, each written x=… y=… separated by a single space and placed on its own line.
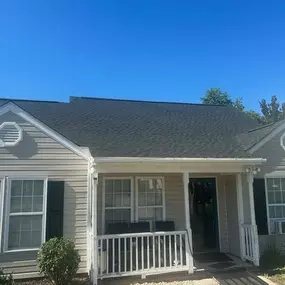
x=150 y=204
x=26 y=214
x=276 y=204
x=118 y=200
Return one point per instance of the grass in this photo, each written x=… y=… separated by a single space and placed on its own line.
x=272 y=264
x=277 y=275
x=42 y=281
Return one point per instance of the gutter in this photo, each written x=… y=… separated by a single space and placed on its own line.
x=176 y=160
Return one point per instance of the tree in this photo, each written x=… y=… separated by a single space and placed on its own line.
x=272 y=112
x=238 y=104
x=255 y=116
x=215 y=96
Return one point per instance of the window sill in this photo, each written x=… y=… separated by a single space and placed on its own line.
x=21 y=250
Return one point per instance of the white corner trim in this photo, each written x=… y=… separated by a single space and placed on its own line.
x=266 y=139
x=2 y=195
x=45 y=129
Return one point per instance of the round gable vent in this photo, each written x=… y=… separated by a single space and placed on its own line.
x=10 y=134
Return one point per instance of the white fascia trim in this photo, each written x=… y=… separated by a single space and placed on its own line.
x=266 y=139
x=175 y=159
x=45 y=129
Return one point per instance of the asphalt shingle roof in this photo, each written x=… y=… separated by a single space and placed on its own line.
x=248 y=139
x=123 y=128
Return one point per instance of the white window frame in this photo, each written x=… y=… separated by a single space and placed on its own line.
x=7 y=212
x=276 y=176
x=131 y=207
x=151 y=207
x=2 y=197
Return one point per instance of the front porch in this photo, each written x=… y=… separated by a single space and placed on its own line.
x=150 y=223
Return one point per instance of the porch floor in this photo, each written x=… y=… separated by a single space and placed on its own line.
x=232 y=277
x=218 y=262
x=210 y=269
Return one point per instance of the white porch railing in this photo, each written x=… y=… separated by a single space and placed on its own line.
x=142 y=253
x=251 y=246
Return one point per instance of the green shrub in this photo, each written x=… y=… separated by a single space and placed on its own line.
x=58 y=260
x=6 y=279
x=271 y=258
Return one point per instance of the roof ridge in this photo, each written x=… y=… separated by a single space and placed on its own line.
x=261 y=127
x=75 y=98
x=266 y=125
x=29 y=100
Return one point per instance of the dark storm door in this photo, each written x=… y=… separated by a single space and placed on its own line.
x=211 y=235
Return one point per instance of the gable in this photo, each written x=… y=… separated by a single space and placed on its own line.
x=11 y=111
x=274 y=153
x=35 y=144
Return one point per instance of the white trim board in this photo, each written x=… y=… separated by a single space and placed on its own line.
x=169 y=167
x=177 y=159
x=2 y=199
x=11 y=107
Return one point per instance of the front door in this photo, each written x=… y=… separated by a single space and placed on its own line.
x=203 y=213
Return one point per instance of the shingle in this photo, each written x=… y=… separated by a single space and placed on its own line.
x=251 y=137
x=124 y=128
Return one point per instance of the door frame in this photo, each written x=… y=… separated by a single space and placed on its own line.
x=197 y=176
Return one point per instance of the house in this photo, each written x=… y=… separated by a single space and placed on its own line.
x=139 y=186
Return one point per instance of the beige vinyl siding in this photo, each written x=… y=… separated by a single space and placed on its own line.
x=39 y=154
x=222 y=213
x=232 y=215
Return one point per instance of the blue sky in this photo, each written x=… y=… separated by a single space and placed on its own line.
x=142 y=49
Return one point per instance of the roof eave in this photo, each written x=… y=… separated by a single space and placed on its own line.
x=178 y=160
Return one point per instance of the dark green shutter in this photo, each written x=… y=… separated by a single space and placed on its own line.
x=55 y=199
x=260 y=206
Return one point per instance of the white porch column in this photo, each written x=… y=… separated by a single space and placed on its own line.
x=250 y=173
x=95 y=250
x=189 y=247
x=240 y=214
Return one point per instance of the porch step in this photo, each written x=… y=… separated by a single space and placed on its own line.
x=232 y=269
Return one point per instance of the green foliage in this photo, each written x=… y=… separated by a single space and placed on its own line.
x=271 y=258
x=58 y=260
x=238 y=104
x=273 y=111
x=6 y=279
x=270 y=112
x=215 y=96
x=255 y=116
